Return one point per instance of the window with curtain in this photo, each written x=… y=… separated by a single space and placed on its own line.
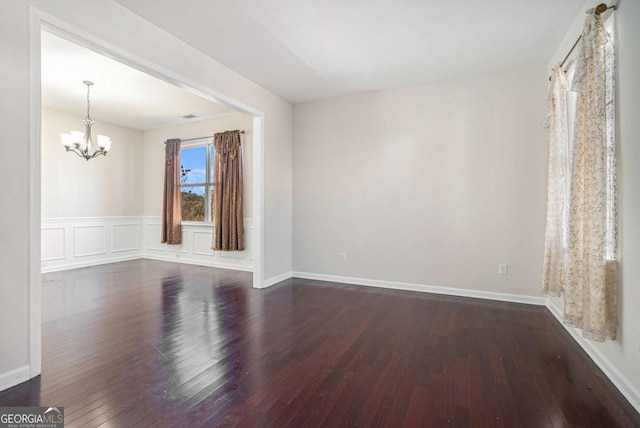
x=565 y=155
x=196 y=180
x=580 y=260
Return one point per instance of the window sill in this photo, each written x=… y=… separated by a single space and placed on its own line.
x=196 y=223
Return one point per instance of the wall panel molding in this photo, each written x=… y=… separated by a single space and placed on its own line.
x=202 y=243
x=196 y=246
x=89 y=241
x=127 y=235
x=74 y=242
x=53 y=243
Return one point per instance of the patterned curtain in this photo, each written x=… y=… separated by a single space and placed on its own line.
x=553 y=270
x=228 y=218
x=171 y=210
x=590 y=291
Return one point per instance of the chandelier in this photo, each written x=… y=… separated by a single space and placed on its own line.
x=81 y=143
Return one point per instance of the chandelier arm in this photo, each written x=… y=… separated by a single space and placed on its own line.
x=79 y=153
x=98 y=153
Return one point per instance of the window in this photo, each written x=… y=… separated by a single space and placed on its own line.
x=196 y=180
x=566 y=154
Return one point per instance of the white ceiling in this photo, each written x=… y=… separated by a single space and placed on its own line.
x=313 y=49
x=121 y=95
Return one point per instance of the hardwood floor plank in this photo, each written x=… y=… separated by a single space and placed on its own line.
x=150 y=343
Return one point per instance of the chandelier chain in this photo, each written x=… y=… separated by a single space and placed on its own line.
x=88 y=102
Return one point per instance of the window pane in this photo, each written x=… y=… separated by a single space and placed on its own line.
x=193 y=200
x=193 y=165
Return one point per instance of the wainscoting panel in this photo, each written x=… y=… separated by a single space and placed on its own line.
x=125 y=237
x=53 y=243
x=89 y=240
x=182 y=248
x=69 y=243
x=196 y=246
x=152 y=236
x=202 y=243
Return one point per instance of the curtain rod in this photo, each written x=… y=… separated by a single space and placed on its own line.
x=201 y=138
x=600 y=9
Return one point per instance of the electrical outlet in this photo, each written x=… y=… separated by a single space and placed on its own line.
x=177 y=256
x=503 y=269
x=343 y=257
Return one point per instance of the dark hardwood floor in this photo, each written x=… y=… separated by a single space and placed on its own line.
x=145 y=343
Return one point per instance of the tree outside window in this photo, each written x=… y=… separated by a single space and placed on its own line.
x=196 y=181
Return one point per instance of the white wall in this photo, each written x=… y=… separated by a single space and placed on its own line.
x=621 y=358
x=105 y=186
x=116 y=26
x=433 y=184
x=154 y=156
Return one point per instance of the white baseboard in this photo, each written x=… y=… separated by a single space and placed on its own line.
x=616 y=377
x=489 y=295
x=14 y=377
x=90 y=263
x=276 y=279
x=207 y=263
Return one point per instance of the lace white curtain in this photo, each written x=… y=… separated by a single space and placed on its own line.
x=553 y=270
x=589 y=280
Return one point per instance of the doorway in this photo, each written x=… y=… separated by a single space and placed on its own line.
x=41 y=23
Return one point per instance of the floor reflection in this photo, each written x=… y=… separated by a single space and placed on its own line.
x=202 y=325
